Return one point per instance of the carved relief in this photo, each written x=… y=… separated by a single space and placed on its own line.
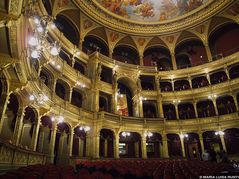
x=141 y=41
x=200 y=29
x=87 y=24
x=114 y=36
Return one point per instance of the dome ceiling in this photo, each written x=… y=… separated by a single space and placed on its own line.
x=151 y=10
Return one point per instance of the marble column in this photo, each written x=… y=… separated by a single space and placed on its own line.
x=223 y=142
x=201 y=141
x=52 y=142
x=105 y=148
x=143 y=147
x=173 y=61
x=18 y=126
x=182 y=146
x=35 y=135
x=208 y=51
x=116 y=145
x=3 y=107
x=165 y=146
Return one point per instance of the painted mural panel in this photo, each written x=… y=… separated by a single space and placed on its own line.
x=151 y=10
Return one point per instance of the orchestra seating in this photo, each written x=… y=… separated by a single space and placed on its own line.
x=108 y=169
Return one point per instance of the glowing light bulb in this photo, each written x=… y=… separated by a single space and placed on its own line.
x=33 y=41
x=32 y=98
x=35 y=54
x=54 y=51
x=40 y=29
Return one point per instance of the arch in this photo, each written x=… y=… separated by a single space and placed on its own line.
x=232 y=140
x=13 y=108
x=169 y=111
x=158 y=55
x=234 y=71
x=79 y=142
x=194 y=49
x=106 y=143
x=154 y=145
x=29 y=123
x=192 y=146
x=225 y=105
x=127 y=88
x=181 y=85
x=205 y=108
x=150 y=109
x=186 y=110
x=130 y=145
x=174 y=145
x=154 y=42
x=68 y=28
x=211 y=142
x=166 y=86
x=200 y=81
x=94 y=43
x=126 y=53
x=104 y=102
x=77 y=97
x=224 y=40
x=46 y=77
x=62 y=89
x=218 y=77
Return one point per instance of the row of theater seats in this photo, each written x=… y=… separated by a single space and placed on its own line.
x=119 y=169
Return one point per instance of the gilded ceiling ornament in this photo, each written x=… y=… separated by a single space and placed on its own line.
x=233 y=10
x=141 y=41
x=114 y=36
x=170 y=39
x=87 y=24
x=200 y=29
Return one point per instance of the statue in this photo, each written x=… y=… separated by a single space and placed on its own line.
x=98 y=70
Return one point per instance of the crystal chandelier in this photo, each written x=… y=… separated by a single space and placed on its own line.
x=84 y=128
x=38 y=40
x=58 y=119
x=148 y=134
x=221 y=133
x=125 y=134
x=39 y=99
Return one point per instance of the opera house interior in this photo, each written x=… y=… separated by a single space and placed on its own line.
x=119 y=89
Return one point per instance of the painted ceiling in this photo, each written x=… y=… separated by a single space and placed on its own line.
x=150 y=10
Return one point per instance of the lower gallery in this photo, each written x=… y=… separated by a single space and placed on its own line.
x=119 y=89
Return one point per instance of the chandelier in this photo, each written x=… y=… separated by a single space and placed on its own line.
x=38 y=42
x=58 y=119
x=84 y=128
x=221 y=133
x=148 y=134
x=183 y=136
x=39 y=99
x=125 y=134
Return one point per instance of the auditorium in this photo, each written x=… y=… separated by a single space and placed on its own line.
x=124 y=89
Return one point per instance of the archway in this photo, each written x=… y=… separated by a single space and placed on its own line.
x=159 y=56
x=62 y=89
x=77 y=98
x=174 y=145
x=186 y=111
x=218 y=77
x=150 y=109
x=224 y=40
x=169 y=111
x=79 y=142
x=181 y=85
x=93 y=43
x=211 y=141
x=166 y=86
x=234 y=72
x=199 y=82
x=190 y=53
x=61 y=143
x=225 y=105
x=129 y=145
x=44 y=136
x=154 y=146
x=192 y=146
x=68 y=28
x=127 y=54
x=205 y=108
x=106 y=143
x=28 y=128
x=232 y=140
x=10 y=118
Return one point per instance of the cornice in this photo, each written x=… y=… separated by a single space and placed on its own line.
x=189 y=20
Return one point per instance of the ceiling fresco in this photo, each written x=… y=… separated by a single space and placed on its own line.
x=151 y=10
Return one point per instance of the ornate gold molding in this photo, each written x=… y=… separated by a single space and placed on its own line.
x=148 y=29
